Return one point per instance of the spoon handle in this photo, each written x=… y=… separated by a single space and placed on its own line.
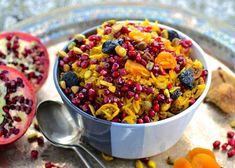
x=92 y=155
x=81 y=157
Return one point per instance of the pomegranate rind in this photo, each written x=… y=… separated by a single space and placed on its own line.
x=29 y=38
x=29 y=93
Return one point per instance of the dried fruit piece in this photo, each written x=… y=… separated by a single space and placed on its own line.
x=108 y=111
x=172 y=34
x=106 y=157
x=182 y=163
x=27 y=54
x=70 y=79
x=139 y=164
x=198 y=150
x=187 y=78
x=152 y=164
x=136 y=69
x=109 y=46
x=204 y=161
x=166 y=60
x=17 y=106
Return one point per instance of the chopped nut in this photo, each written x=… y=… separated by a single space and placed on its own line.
x=66 y=67
x=139 y=164
x=107 y=157
x=75 y=89
x=141 y=45
x=63 y=84
x=232 y=124
x=87 y=74
x=120 y=51
x=62 y=54
x=151 y=164
x=79 y=37
x=71 y=45
x=169 y=161
x=32 y=137
x=167 y=93
x=77 y=50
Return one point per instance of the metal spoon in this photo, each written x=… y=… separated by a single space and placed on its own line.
x=58 y=126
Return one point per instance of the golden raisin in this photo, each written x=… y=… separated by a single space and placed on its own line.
x=74 y=89
x=139 y=164
x=63 y=84
x=152 y=164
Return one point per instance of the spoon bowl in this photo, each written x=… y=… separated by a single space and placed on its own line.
x=59 y=127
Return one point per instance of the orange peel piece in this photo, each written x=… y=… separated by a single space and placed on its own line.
x=166 y=60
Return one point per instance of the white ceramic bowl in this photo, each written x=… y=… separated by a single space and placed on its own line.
x=132 y=141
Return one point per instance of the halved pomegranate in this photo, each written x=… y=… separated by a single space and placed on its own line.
x=27 y=54
x=17 y=104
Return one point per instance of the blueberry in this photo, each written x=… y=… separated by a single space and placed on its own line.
x=70 y=79
x=176 y=94
x=187 y=78
x=120 y=41
x=108 y=46
x=172 y=34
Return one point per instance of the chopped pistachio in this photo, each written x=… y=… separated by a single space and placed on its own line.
x=167 y=93
x=87 y=74
x=107 y=157
x=139 y=164
x=62 y=54
x=152 y=164
x=75 y=89
x=232 y=124
x=79 y=37
x=77 y=50
x=63 y=84
x=32 y=137
x=71 y=45
x=66 y=67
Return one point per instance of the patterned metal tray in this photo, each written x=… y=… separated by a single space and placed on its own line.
x=54 y=29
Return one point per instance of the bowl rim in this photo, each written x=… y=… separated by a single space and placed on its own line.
x=193 y=107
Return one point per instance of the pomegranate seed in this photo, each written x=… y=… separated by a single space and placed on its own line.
x=34 y=154
x=116 y=120
x=216 y=144
x=161 y=97
x=122 y=72
x=124 y=88
x=129 y=82
x=93 y=61
x=91 y=92
x=230 y=134
x=169 y=100
x=125 y=30
x=138 y=87
x=181 y=60
x=115 y=66
x=140 y=121
x=138 y=58
x=117 y=34
x=130 y=93
x=136 y=97
x=177 y=69
x=151 y=113
x=231 y=153
x=103 y=72
x=192 y=101
x=231 y=142
x=146 y=119
x=84 y=64
x=48 y=165
x=224 y=146
x=156 y=107
x=132 y=54
x=9 y=37
x=115 y=74
x=107 y=30
x=149 y=90
x=169 y=86
x=40 y=141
